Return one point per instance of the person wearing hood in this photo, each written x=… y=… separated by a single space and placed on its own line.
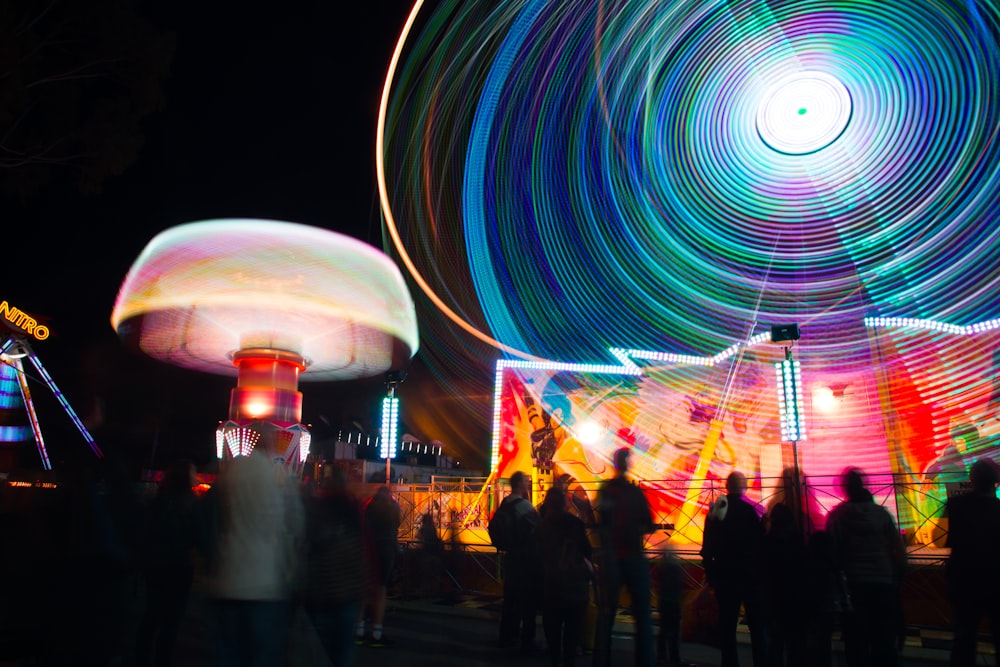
x=869 y=551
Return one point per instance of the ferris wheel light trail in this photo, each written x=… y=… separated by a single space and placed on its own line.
x=390 y=221
x=581 y=176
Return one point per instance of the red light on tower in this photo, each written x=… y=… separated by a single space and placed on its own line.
x=267 y=385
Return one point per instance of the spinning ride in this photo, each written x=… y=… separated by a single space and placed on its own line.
x=672 y=178
x=271 y=303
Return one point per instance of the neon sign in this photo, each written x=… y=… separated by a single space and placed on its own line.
x=23 y=321
x=36 y=484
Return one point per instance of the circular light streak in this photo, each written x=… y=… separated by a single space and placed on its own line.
x=804 y=113
x=564 y=178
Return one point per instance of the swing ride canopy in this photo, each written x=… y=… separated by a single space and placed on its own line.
x=201 y=292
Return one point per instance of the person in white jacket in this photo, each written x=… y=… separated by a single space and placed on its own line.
x=259 y=524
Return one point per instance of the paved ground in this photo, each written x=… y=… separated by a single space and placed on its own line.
x=462 y=632
x=431 y=633
x=458 y=630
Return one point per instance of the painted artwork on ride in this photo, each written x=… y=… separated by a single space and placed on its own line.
x=896 y=409
x=942 y=412
x=686 y=430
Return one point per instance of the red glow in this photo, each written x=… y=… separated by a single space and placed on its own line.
x=267 y=385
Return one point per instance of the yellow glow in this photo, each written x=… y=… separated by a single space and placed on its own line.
x=257 y=409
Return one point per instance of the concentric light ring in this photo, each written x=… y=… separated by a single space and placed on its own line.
x=638 y=174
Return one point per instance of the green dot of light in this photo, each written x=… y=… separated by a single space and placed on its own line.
x=802 y=111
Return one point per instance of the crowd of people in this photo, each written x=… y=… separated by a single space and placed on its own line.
x=793 y=589
x=267 y=544
x=264 y=544
x=270 y=545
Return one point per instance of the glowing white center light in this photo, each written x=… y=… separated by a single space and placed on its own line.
x=589 y=432
x=804 y=113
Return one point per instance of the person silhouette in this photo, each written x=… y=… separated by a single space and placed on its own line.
x=259 y=521
x=624 y=520
x=381 y=519
x=973 y=579
x=732 y=555
x=170 y=537
x=431 y=556
x=334 y=566
x=521 y=569
x=869 y=550
x=566 y=564
x=786 y=591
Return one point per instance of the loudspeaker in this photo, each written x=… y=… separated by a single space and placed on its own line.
x=783 y=332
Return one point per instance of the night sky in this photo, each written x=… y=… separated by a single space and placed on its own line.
x=269 y=111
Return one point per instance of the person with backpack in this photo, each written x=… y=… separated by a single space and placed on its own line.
x=513 y=531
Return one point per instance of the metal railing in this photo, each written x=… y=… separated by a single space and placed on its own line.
x=460 y=509
x=461 y=506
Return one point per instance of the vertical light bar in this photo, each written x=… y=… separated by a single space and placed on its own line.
x=390 y=424
x=11 y=401
x=497 y=399
x=789 y=381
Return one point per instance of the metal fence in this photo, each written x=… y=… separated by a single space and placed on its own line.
x=461 y=506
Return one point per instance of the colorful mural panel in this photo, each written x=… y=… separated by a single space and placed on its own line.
x=913 y=410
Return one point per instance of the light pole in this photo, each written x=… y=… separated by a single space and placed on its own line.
x=390 y=421
x=790 y=412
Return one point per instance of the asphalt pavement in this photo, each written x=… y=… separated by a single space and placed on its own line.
x=456 y=631
x=461 y=632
